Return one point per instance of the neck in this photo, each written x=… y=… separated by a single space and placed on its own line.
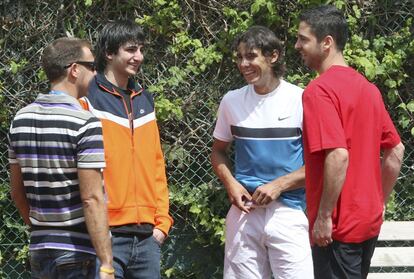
x=66 y=88
x=268 y=87
x=335 y=59
x=116 y=79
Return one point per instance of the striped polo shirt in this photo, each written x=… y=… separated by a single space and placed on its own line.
x=50 y=139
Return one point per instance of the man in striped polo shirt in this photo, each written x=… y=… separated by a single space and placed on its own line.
x=56 y=155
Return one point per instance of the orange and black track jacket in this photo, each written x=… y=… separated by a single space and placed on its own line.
x=134 y=176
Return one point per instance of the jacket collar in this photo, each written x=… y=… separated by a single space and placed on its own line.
x=106 y=85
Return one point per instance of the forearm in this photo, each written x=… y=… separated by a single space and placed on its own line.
x=95 y=212
x=335 y=167
x=18 y=193
x=237 y=193
x=291 y=181
x=163 y=220
x=390 y=169
x=22 y=205
x=221 y=167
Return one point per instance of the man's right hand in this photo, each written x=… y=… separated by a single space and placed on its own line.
x=238 y=195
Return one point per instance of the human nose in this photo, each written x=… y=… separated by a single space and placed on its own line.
x=138 y=55
x=243 y=61
x=297 y=44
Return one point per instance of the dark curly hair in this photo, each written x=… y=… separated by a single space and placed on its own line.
x=263 y=38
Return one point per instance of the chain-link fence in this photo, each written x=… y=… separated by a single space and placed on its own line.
x=27 y=26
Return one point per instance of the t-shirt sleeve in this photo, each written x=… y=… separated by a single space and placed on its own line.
x=322 y=121
x=389 y=137
x=222 y=130
x=11 y=152
x=90 y=148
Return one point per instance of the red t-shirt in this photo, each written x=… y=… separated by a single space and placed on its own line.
x=343 y=109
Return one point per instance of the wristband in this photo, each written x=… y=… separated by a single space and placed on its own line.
x=107 y=270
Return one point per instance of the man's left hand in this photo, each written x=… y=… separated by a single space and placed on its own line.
x=158 y=235
x=266 y=193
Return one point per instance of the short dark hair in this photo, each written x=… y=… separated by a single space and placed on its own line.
x=60 y=53
x=113 y=36
x=327 y=20
x=261 y=37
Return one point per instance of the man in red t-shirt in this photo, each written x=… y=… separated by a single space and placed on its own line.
x=346 y=127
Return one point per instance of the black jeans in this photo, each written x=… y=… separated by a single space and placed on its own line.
x=343 y=260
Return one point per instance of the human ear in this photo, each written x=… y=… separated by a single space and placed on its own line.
x=328 y=42
x=274 y=56
x=108 y=56
x=73 y=70
x=72 y=73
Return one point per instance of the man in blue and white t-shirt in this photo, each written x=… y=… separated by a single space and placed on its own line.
x=266 y=228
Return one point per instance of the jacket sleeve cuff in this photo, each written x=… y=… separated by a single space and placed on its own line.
x=164 y=224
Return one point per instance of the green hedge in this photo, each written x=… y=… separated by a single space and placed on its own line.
x=188 y=66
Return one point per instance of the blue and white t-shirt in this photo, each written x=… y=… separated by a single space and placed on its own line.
x=267 y=131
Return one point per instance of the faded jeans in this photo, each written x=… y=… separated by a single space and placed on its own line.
x=136 y=257
x=62 y=264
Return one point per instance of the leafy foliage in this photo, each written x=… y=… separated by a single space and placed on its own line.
x=188 y=66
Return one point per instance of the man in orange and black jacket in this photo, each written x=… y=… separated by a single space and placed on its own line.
x=134 y=176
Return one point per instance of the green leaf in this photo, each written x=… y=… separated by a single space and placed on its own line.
x=255 y=7
x=357 y=11
x=270 y=7
x=404 y=121
x=402 y=106
x=392 y=95
x=41 y=75
x=169 y=272
x=368 y=66
x=195 y=209
x=14 y=67
x=339 y=4
x=410 y=106
x=390 y=83
x=161 y=2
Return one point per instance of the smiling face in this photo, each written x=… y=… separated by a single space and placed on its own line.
x=127 y=60
x=254 y=66
x=310 y=49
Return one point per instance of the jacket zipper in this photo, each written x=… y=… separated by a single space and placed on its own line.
x=131 y=126
x=130 y=119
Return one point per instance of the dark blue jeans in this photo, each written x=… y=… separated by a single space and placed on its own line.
x=61 y=264
x=136 y=257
